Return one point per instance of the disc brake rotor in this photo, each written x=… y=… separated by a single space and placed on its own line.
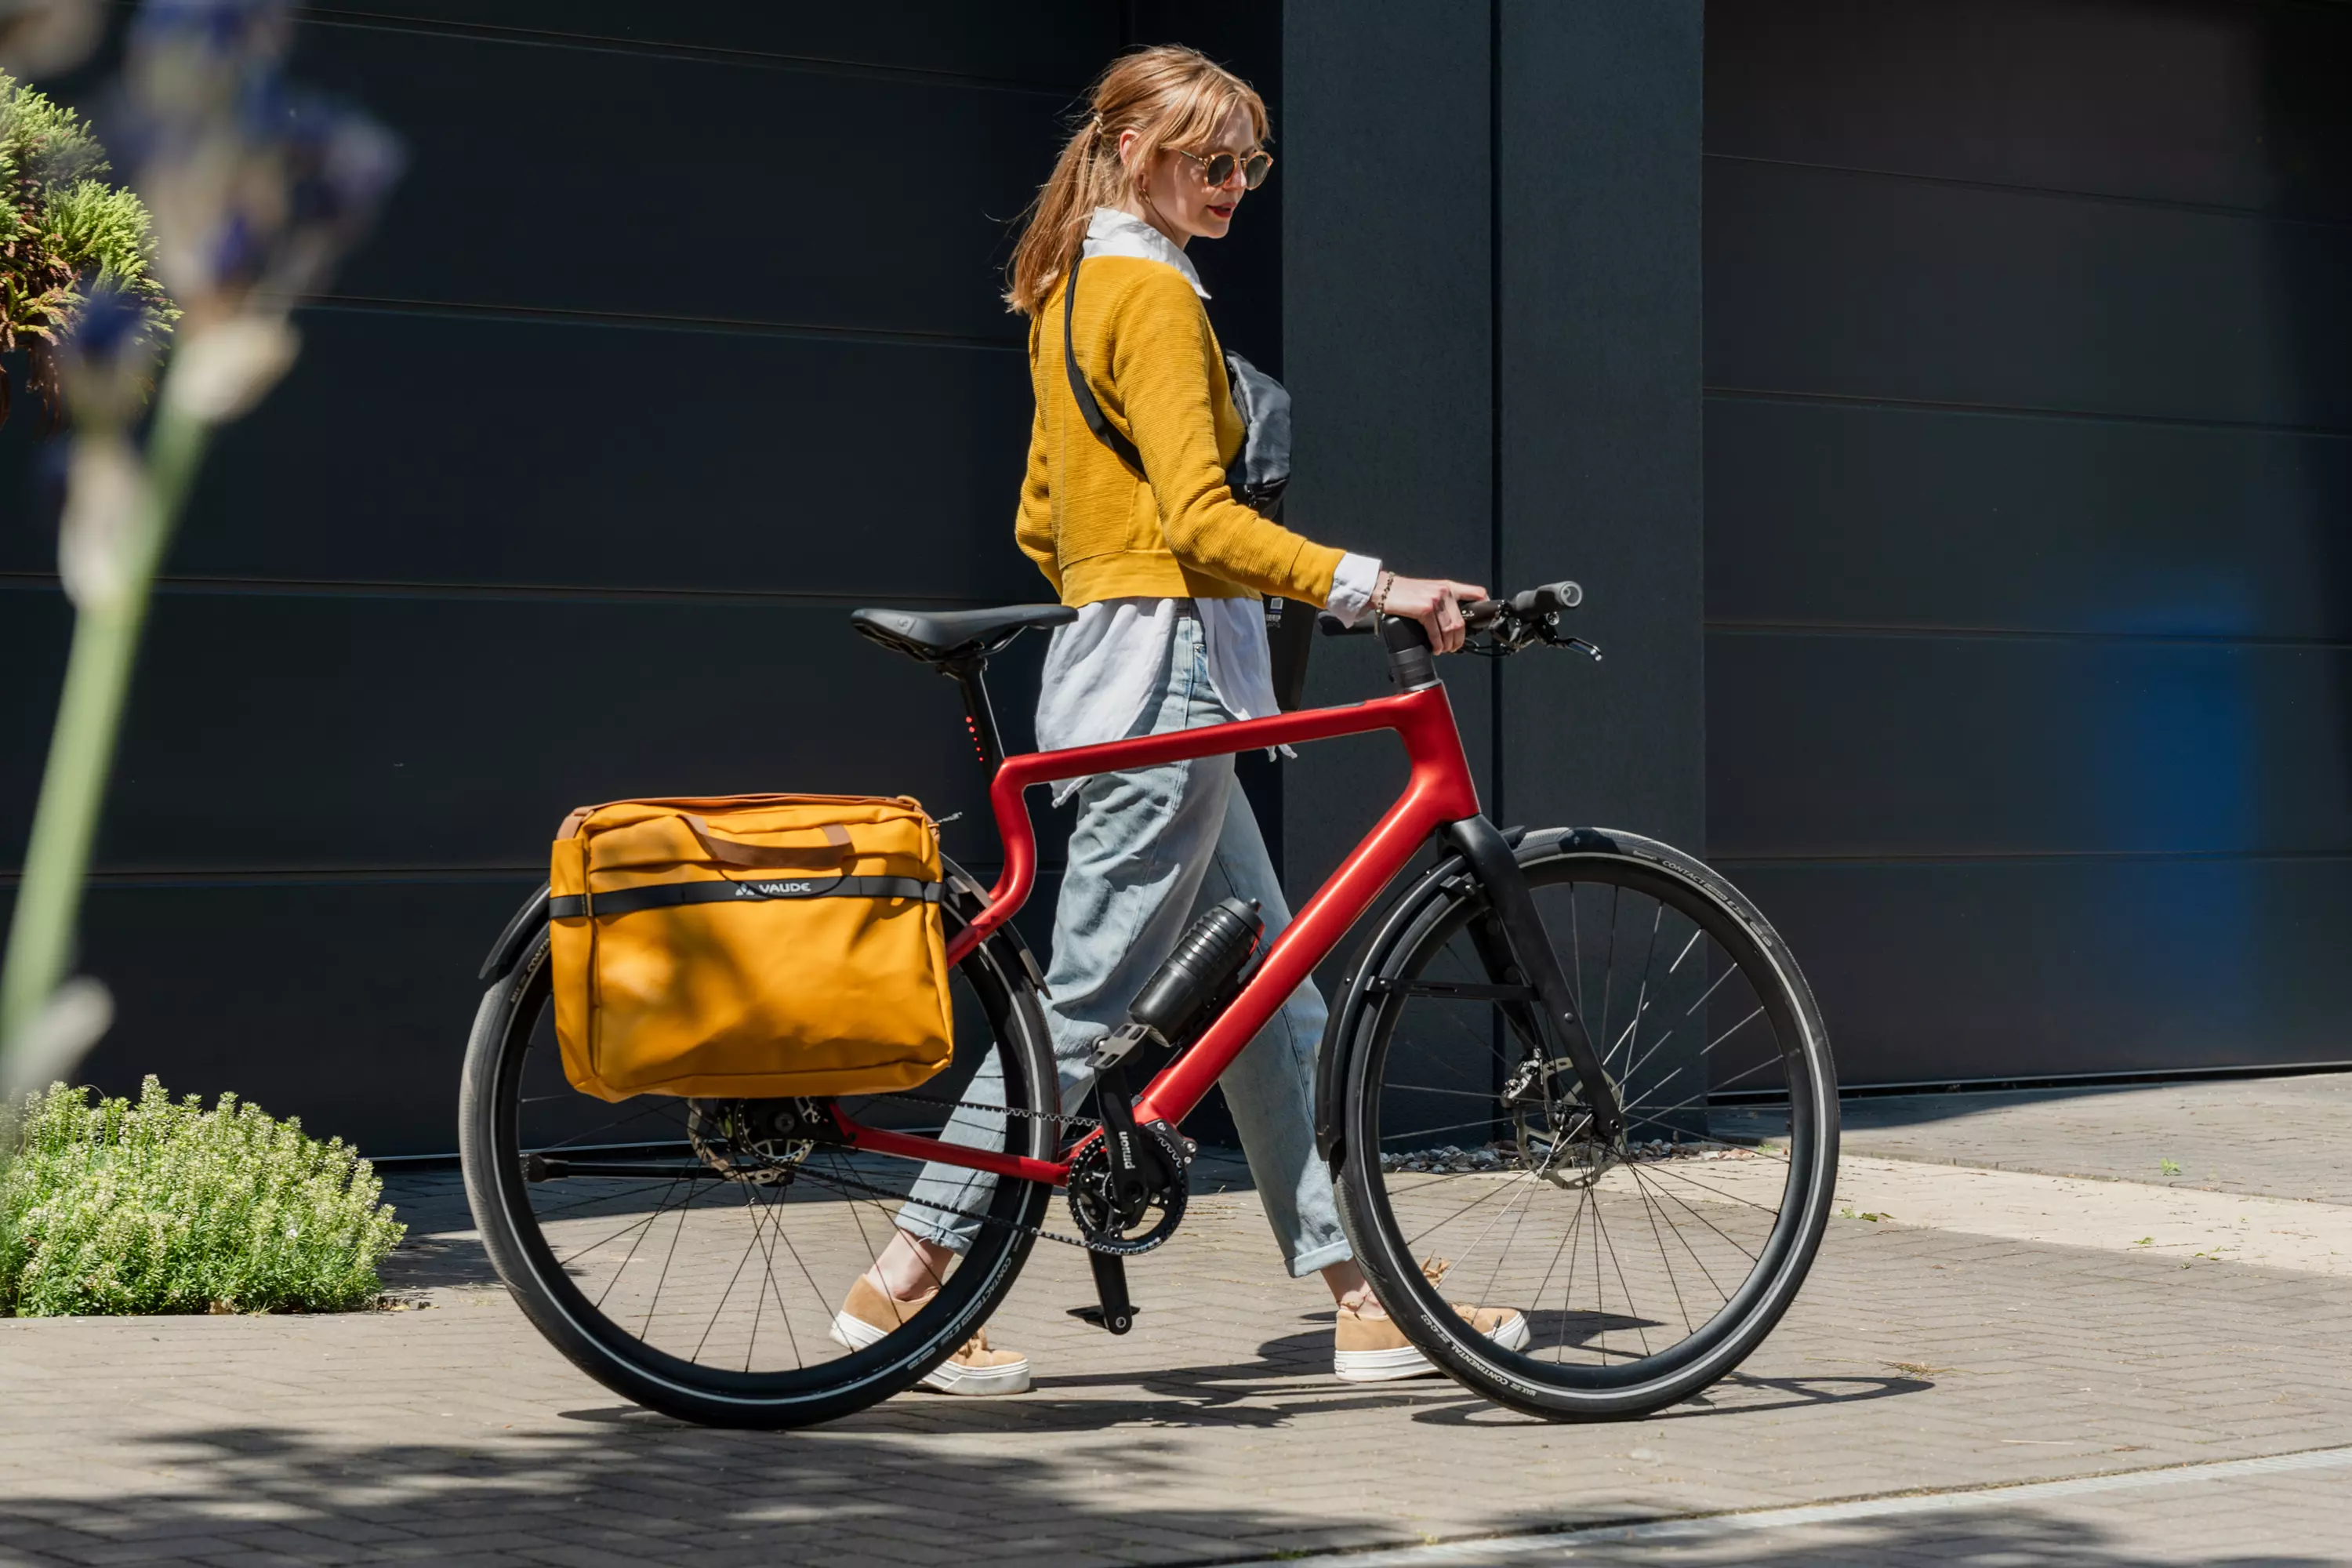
x=726 y=1134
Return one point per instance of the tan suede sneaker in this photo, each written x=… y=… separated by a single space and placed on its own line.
x=1371 y=1347
x=871 y=1312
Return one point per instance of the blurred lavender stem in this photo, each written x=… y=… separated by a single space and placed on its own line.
x=81 y=757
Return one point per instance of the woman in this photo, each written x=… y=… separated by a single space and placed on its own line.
x=1166 y=569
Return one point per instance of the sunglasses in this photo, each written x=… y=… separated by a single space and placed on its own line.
x=1217 y=168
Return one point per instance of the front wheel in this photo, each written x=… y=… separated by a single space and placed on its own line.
x=1645 y=1267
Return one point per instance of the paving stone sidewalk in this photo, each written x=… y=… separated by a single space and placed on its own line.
x=2273 y=1137
x=1916 y=1359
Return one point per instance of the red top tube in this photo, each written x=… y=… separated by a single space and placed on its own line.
x=1439 y=791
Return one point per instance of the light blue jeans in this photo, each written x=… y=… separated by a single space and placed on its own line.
x=1151 y=849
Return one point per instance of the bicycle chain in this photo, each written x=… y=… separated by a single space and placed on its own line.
x=844 y=1182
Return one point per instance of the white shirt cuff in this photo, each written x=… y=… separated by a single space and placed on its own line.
x=1351 y=587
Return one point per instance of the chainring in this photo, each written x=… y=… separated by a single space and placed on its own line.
x=1091 y=1205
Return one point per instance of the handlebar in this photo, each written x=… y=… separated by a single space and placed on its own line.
x=1496 y=628
x=1520 y=621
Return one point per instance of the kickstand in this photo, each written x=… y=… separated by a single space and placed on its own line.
x=1116 y=1313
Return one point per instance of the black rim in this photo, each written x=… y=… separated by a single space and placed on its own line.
x=724 y=1288
x=1630 y=1267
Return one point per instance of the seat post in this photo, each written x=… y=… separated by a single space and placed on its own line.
x=969 y=673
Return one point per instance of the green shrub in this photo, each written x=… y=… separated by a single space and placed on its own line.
x=160 y=1205
x=63 y=230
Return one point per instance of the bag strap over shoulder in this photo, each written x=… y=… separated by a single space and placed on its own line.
x=1090 y=410
x=735 y=852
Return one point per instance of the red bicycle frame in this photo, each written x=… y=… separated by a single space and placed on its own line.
x=1439 y=791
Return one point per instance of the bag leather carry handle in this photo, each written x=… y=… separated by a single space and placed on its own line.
x=735 y=852
x=1088 y=408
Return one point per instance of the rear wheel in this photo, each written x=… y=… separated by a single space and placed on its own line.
x=689 y=1258
x=1645 y=1267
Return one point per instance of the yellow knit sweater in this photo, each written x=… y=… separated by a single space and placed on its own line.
x=1095 y=528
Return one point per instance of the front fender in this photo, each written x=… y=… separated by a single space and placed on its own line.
x=1354 y=1007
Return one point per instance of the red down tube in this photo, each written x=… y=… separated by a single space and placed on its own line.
x=1440 y=790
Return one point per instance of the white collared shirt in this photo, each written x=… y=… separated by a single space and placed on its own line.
x=1100 y=669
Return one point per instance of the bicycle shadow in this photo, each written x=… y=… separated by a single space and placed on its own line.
x=1723 y=1397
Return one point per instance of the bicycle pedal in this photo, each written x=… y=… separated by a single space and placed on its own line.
x=1117 y=1324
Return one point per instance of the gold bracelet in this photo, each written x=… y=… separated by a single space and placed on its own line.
x=1380 y=593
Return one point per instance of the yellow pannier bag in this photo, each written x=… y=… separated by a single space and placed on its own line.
x=753 y=946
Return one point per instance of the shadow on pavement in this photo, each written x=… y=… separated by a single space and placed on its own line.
x=628 y=1485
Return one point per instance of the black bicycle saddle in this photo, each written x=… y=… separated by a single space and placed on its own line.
x=940 y=637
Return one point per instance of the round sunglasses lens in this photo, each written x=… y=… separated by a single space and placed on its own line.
x=1218 y=169
x=1254 y=172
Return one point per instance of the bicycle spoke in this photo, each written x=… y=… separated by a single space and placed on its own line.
x=1632 y=1311
x=1721 y=1294
x=1497 y=1187
x=1665 y=1261
x=633 y=1250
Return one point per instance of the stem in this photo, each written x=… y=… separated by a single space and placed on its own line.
x=81 y=747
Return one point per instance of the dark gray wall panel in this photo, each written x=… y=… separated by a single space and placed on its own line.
x=1601 y=447
x=2230 y=105
x=1863 y=746
x=743 y=463
x=1386 y=324
x=342 y=730
x=1058 y=44
x=1859 y=515
x=1994 y=969
x=1866 y=286
x=593 y=179
x=343 y=1001
x=2030 y=368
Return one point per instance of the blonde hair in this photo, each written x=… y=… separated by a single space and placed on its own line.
x=1171 y=97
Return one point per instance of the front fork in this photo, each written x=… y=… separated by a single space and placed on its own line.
x=1531 y=961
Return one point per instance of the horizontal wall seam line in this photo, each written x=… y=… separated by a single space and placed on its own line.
x=2010 y=411
x=1731 y=627
x=596 y=42
x=2054 y=193
x=518 y=592
x=361 y=876
x=723 y=326
x=2053 y=856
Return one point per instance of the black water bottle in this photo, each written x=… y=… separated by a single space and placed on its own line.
x=1206 y=959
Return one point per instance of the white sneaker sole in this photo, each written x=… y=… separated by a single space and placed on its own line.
x=1387 y=1366
x=1013 y=1377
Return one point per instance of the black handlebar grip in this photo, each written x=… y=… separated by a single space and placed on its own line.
x=1561 y=596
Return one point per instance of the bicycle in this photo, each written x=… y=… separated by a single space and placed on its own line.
x=1532 y=1110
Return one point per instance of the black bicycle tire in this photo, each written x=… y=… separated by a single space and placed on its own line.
x=1420 y=1312
x=494 y=1190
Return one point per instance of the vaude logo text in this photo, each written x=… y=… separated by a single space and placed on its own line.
x=778 y=890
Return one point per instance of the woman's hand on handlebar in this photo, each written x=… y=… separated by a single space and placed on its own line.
x=1436 y=603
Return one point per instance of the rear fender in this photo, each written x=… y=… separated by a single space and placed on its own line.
x=508 y=950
